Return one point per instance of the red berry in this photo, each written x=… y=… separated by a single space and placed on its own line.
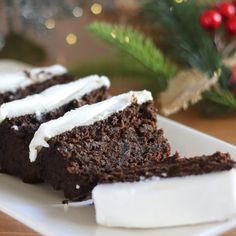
x=231 y=25
x=226 y=9
x=210 y=19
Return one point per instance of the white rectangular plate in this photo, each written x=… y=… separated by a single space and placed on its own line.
x=39 y=207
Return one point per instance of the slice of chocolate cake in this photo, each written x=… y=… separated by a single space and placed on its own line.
x=19 y=84
x=21 y=118
x=177 y=191
x=75 y=149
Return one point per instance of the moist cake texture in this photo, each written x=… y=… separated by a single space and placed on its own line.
x=74 y=160
x=176 y=192
x=31 y=81
x=173 y=166
x=18 y=130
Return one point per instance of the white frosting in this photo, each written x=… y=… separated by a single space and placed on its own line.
x=85 y=115
x=13 y=80
x=52 y=97
x=167 y=202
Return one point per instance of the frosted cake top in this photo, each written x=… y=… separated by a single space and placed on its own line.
x=85 y=115
x=13 y=80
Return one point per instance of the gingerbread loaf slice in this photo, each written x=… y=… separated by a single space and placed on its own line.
x=21 y=118
x=21 y=83
x=177 y=191
x=73 y=150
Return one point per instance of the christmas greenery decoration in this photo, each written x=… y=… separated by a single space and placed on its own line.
x=196 y=39
x=190 y=44
x=228 y=99
x=219 y=102
x=137 y=46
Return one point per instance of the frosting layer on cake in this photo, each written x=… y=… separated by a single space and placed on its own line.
x=11 y=81
x=83 y=116
x=164 y=202
x=53 y=97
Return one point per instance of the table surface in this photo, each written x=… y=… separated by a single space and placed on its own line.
x=223 y=128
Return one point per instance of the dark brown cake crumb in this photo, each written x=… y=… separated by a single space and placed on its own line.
x=65 y=201
x=171 y=167
x=17 y=133
x=128 y=138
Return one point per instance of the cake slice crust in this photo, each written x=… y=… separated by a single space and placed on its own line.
x=173 y=166
x=176 y=192
x=18 y=125
x=78 y=157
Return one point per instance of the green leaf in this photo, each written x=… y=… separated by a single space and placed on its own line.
x=218 y=103
x=136 y=45
x=224 y=97
x=225 y=74
x=190 y=44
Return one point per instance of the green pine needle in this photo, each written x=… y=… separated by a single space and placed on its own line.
x=224 y=97
x=190 y=44
x=221 y=102
x=136 y=45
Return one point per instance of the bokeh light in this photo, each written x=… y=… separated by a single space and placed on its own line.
x=96 y=8
x=71 y=39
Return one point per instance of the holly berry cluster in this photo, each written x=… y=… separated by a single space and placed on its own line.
x=224 y=12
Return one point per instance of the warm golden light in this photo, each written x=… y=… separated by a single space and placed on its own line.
x=127 y=39
x=96 y=8
x=71 y=39
x=50 y=23
x=113 y=35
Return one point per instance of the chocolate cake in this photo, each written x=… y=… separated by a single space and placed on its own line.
x=19 y=84
x=173 y=166
x=75 y=149
x=177 y=191
x=21 y=118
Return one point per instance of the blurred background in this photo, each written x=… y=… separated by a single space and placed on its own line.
x=55 y=31
x=50 y=31
x=181 y=50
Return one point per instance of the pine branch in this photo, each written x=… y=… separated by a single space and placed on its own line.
x=136 y=45
x=191 y=45
x=224 y=77
x=218 y=102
